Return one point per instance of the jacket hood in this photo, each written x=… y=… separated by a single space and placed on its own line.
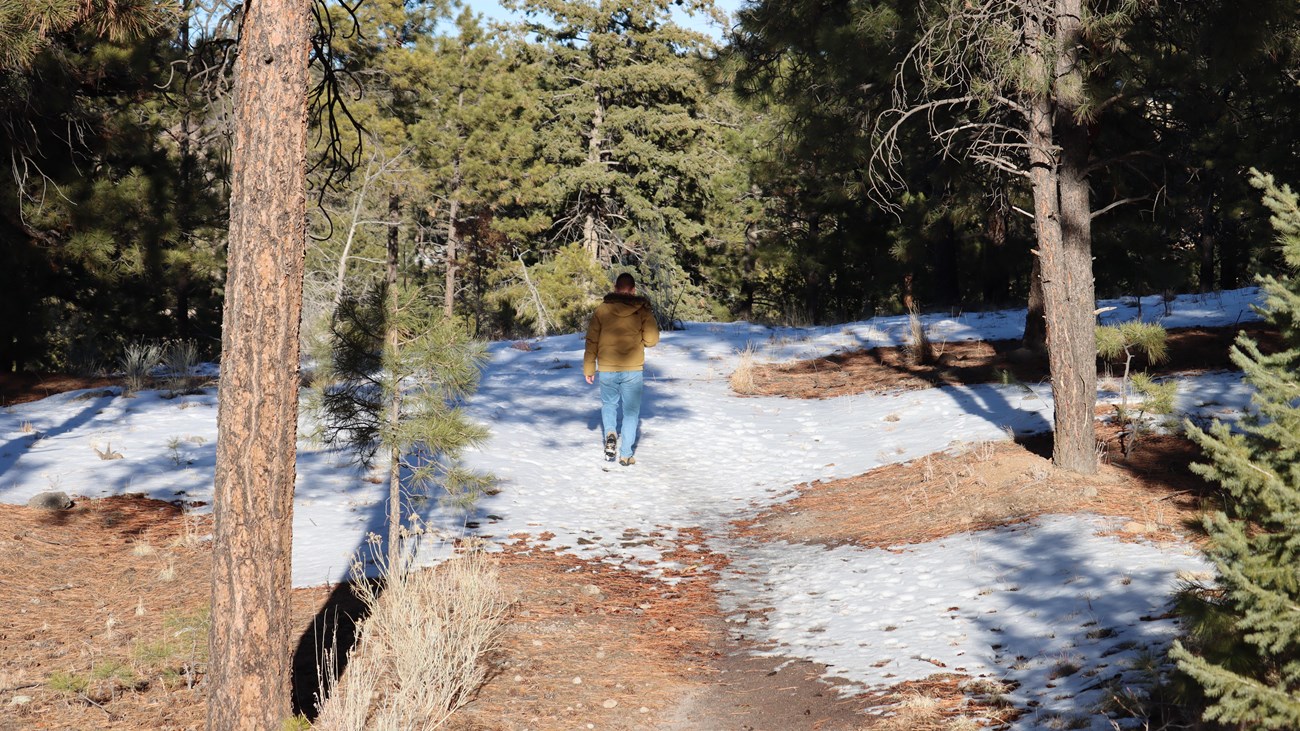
x=626 y=305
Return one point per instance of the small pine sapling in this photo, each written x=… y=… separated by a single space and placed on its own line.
x=392 y=384
x=1243 y=642
x=1125 y=342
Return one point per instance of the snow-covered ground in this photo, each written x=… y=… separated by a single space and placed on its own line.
x=1050 y=608
x=1047 y=595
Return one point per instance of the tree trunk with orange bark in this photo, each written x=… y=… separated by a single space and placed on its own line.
x=257 y=418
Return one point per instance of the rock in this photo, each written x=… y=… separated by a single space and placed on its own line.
x=591 y=590
x=1090 y=492
x=609 y=703
x=1134 y=526
x=577 y=680
x=20 y=700
x=53 y=500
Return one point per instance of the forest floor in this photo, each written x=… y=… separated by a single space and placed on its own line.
x=23 y=388
x=969 y=362
x=107 y=601
x=108 y=607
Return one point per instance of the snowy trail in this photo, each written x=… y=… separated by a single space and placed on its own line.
x=707 y=457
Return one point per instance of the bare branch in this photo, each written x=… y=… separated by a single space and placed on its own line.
x=1120 y=202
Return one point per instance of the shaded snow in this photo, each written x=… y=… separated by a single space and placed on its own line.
x=1050 y=607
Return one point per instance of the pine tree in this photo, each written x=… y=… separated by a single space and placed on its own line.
x=29 y=26
x=630 y=152
x=1244 y=649
x=390 y=387
x=473 y=140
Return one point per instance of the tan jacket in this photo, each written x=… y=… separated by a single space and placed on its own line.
x=621 y=329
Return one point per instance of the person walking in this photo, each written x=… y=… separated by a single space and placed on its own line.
x=620 y=330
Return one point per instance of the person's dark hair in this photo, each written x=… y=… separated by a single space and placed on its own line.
x=625 y=282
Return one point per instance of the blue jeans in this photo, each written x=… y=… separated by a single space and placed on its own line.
x=621 y=388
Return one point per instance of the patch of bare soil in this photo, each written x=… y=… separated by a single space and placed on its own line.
x=649 y=655
x=104 y=620
x=778 y=694
x=21 y=388
x=107 y=630
x=976 y=361
x=990 y=484
x=590 y=643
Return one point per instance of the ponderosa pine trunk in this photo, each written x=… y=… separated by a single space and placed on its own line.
x=1069 y=301
x=1206 y=246
x=394 y=415
x=595 y=153
x=1071 y=323
x=257 y=416
x=1035 y=337
x=1062 y=222
x=453 y=241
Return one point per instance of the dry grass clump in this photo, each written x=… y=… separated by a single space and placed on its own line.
x=137 y=360
x=742 y=379
x=939 y=704
x=180 y=357
x=920 y=351
x=422 y=649
x=917 y=711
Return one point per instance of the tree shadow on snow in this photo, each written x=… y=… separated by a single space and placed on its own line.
x=1063 y=624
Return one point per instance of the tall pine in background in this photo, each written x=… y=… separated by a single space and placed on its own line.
x=1244 y=649
x=631 y=155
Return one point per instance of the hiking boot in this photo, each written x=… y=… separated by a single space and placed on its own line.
x=611 y=446
x=627 y=461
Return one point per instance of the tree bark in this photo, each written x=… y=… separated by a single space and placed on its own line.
x=1206 y=247
x=595 y=142
x=1069 y=302
x=1035 y=338
x=185 y=189
x=257 y=416
x=1062 y=223
x=453 y=241
x=394 y=416
x=748 y=260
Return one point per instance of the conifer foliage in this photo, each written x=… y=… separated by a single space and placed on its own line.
x=391 y=386
x=1244 y=648
x=629 y=150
